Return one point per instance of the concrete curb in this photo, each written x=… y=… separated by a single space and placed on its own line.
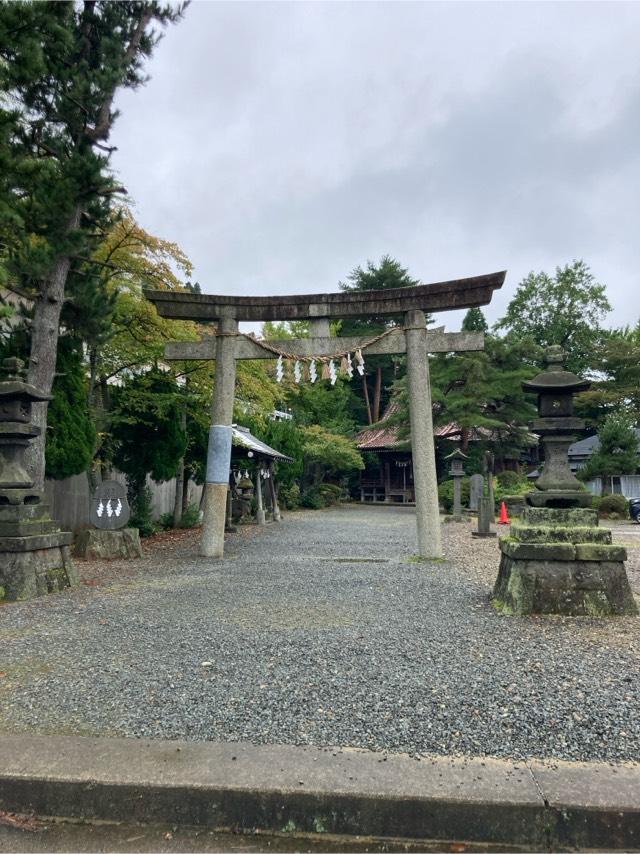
x=320 y=790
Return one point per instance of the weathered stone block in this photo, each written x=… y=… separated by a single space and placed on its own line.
x=561 y=516
x=26 y=574
x=537 y=551
x=559 y=534
x=595 y=551
x=574 y=588
x=515 y=504
x=93 y=544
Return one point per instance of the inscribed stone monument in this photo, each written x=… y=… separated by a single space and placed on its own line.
x=476 y=491
x=109 y=512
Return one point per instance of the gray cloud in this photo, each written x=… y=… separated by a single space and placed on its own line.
x=283 y=144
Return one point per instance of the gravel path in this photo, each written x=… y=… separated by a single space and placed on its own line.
x=322 y=630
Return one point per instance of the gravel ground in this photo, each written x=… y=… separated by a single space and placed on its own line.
x=322 y=630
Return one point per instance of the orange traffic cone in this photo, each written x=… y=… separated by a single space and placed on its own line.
x=504 y=519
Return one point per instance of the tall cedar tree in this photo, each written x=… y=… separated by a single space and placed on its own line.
x=71 y=435
x=61 y=65
x=389 y=273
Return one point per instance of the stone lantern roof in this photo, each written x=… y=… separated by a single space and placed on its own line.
x=13 y=386
x=555 y=378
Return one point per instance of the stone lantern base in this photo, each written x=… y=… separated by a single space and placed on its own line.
x=558 y=561
x=34 y=552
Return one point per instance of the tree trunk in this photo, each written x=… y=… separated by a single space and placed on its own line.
x=365 y=388
x=185 y=494
x=464 y=439
x=180 y=486
x=377 y=395
x=44 y=346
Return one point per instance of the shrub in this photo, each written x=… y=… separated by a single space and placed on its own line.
x=445 y=493
x=312 y=499
x=330 y=492
x=165 y=522
x=508 y=479
x=191 y=516
x=289 y=496
x=614 y=506
x=141 y=513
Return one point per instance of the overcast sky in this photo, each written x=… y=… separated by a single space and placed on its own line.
x=282 y=144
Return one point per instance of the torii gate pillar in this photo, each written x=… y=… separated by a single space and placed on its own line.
x=219 y=448
x=422 y=442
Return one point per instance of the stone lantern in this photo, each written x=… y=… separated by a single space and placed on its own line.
x=456 y=471
x=557 y=486
x=34 y=552
x=557 y=560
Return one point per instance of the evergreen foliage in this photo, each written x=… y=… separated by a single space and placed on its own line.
x=616 y=381
x=383 y=370
x=71 y=433
x=618 y=453
x=146 y=427
x=61 y=65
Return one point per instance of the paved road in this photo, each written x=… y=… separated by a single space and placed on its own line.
x=321 y=630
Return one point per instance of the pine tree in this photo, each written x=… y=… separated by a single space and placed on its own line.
x=618 y=453
x=61 y=65
x=388 y=273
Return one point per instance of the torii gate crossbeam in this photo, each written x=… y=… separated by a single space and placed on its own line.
x=228 y=345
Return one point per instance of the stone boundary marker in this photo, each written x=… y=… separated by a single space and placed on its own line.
x=530 y=805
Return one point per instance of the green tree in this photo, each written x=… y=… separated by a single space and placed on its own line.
x=616 y=383
x=71 y=434
x=328 y=454
x=479 y=391
x=566 y=309
x=618 y=452
x=474 y=321
x=388 y=273
x=147 y=428
x=61 y=65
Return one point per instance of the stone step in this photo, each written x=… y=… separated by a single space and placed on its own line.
x=559 y=534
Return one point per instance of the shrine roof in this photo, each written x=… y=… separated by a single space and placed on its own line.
x=242 y=437
x=385 y=436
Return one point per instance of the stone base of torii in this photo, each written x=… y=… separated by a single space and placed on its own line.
x=228 y=345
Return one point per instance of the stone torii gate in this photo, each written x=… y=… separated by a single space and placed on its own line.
x=228 y=344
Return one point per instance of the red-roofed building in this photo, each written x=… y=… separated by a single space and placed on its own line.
x=388 y=476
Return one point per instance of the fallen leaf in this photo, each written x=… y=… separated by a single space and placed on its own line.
x=20 y=821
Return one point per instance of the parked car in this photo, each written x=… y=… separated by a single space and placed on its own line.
x=634 y=509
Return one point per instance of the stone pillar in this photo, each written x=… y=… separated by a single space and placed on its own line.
x=457 y=500
x=422 y=443
x=219 y=449
x=260 y=518
x=485 y=517
x=319 y=327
